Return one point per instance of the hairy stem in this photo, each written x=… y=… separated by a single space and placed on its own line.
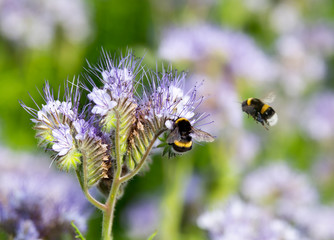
x=84 y=187
x=108 y=215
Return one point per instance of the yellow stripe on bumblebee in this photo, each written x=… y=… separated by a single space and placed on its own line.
x=249 y=101
x=264 y=108
x=183 y=144
x=181 y=119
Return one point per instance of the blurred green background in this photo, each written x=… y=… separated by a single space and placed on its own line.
x=175 y=191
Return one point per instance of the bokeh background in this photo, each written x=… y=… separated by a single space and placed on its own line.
x=237 y=49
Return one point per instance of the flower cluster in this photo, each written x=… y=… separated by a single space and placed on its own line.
x=36 y=202
x=241 y=220
x=116 y=123
x=290 y=195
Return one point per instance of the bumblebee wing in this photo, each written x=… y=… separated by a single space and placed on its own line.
x=174 y=135
x=269 y=98
x=201 y=136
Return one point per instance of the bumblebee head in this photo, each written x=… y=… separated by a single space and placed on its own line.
x=183 y=124
x=244 y=103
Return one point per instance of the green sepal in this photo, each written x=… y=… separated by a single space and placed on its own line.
x=130 y=163
x=96 y=159
x=142 y=136
x=70 y=160
x=109 y=121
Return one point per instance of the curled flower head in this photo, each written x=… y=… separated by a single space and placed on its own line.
x=54 y=113
x=167 y=99
x=62 y=129
x=118 y=76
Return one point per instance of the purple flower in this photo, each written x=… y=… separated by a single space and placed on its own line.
x=32 y=24
x=102 y=100
x=119 y=76
x=166 y=98
x=63 y=140
x=59 y=120
x=279 y=188
x=240 y=220
x=36 y=202
x=318 y=117
x=237 y=51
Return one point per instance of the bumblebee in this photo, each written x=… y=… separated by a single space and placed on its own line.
x=260 y=111
x=182 y=135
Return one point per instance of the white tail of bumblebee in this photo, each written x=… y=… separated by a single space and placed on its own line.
x=273 y=120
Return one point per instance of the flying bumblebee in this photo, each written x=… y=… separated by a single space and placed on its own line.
x=260 y=111
x=183 y=133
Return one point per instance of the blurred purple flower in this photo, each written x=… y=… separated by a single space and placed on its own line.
x=142 y=218
x=301 y=56
x=237 y=220
x=319 y=38
x=248 y=147
x=36 y=202
x=279 y=188
x=33 y=23
x=315 y=221
x=236 y=50
x=288 y=194
x=318 y=117
x=323 y=171
x=285 y=17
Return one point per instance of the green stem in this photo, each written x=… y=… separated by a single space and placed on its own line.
x=84 y=187
x=108 y=215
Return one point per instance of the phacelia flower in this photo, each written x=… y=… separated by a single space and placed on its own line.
x=280 y=189
x=60 y=128
x=102 y=100
x=116 y=123
x=167 y=99
x=37 y=203
x=240 y=220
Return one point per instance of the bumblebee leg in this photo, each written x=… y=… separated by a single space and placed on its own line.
x=259 y=119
